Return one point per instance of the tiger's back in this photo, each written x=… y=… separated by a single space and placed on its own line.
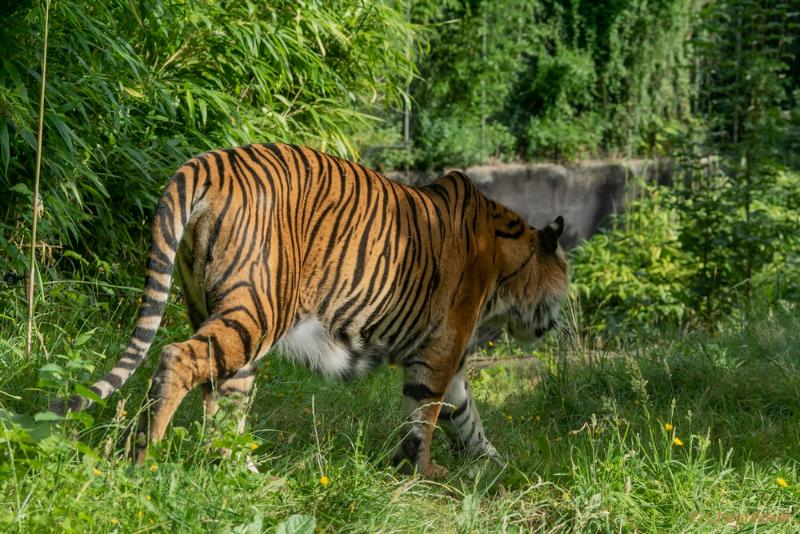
x=340 y=269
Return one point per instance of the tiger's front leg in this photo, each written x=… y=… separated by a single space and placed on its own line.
x=426 y=381
x=424 y=388
x=427 y=378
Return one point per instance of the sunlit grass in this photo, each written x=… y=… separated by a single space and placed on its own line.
x=687 y=432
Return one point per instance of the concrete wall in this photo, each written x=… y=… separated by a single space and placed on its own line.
x=585 y=193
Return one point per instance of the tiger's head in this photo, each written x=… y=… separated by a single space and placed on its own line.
x=533 y=280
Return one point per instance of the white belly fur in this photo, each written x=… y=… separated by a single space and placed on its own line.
x=309 y=343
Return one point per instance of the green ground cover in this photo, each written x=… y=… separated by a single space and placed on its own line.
x=684 y=431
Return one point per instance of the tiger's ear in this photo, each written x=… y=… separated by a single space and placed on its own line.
x=548 y=236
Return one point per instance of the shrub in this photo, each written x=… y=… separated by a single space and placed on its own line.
x=135 y=88
x=633 y=276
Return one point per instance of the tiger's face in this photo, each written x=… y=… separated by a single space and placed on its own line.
x=535 y=293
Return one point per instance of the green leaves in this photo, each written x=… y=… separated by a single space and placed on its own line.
x=297 y=524
x=633 y=277
x=136 y=88
x=544 y=79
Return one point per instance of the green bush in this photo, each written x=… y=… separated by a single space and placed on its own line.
x=633 y=277
x=456 y=140
x=563 y=138
x=135 y=88
x=649 y=268
x=548 y=78
x=778 y=277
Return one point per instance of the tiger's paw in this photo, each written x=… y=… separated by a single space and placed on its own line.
x=434 y=472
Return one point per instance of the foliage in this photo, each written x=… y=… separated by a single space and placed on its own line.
x=664 y=263
x=135 y=88
x=548 y=78
x=737 y=205
x=734 y=207
x=632 y=277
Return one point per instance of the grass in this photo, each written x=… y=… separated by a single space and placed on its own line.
x=687 y=432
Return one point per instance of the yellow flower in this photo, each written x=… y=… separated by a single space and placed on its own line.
x=253 y=446
x=153 y=468
x=668 y=426
x=148 y=498
x=538 y=418
x=139 y=514
x=677 y=441
x=97 y=472
x=490 y=343
x=782 y=482
x=114 y=520
x=324 y=480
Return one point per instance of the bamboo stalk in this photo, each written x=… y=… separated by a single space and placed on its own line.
x=37 y=174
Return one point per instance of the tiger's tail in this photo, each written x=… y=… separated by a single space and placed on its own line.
x=172 y=215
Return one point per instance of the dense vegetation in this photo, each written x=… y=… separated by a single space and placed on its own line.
x=728 y=229
x=136 y=88
x=690 y=421
x=563 y=80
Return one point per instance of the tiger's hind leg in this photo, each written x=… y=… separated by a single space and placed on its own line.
x=461 y=422
x=236 y=389
x=197 y=307
x=221 y=347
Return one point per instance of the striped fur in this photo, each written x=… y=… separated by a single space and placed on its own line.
x=341 y=269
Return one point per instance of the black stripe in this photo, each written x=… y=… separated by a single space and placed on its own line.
x=151 y=283
x=453 y=415
x=419 y=392
x=219 y=353
x=144 y=334
x=126 y=365
x=165 y=215
x=113 y=379
x=152 y=308
x=412 y=363
x=508 y=235
x=180 y=182
x=244 y=335
x=507 y=277
x=157 y=261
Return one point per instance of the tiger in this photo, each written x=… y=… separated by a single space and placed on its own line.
x=285 y=249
